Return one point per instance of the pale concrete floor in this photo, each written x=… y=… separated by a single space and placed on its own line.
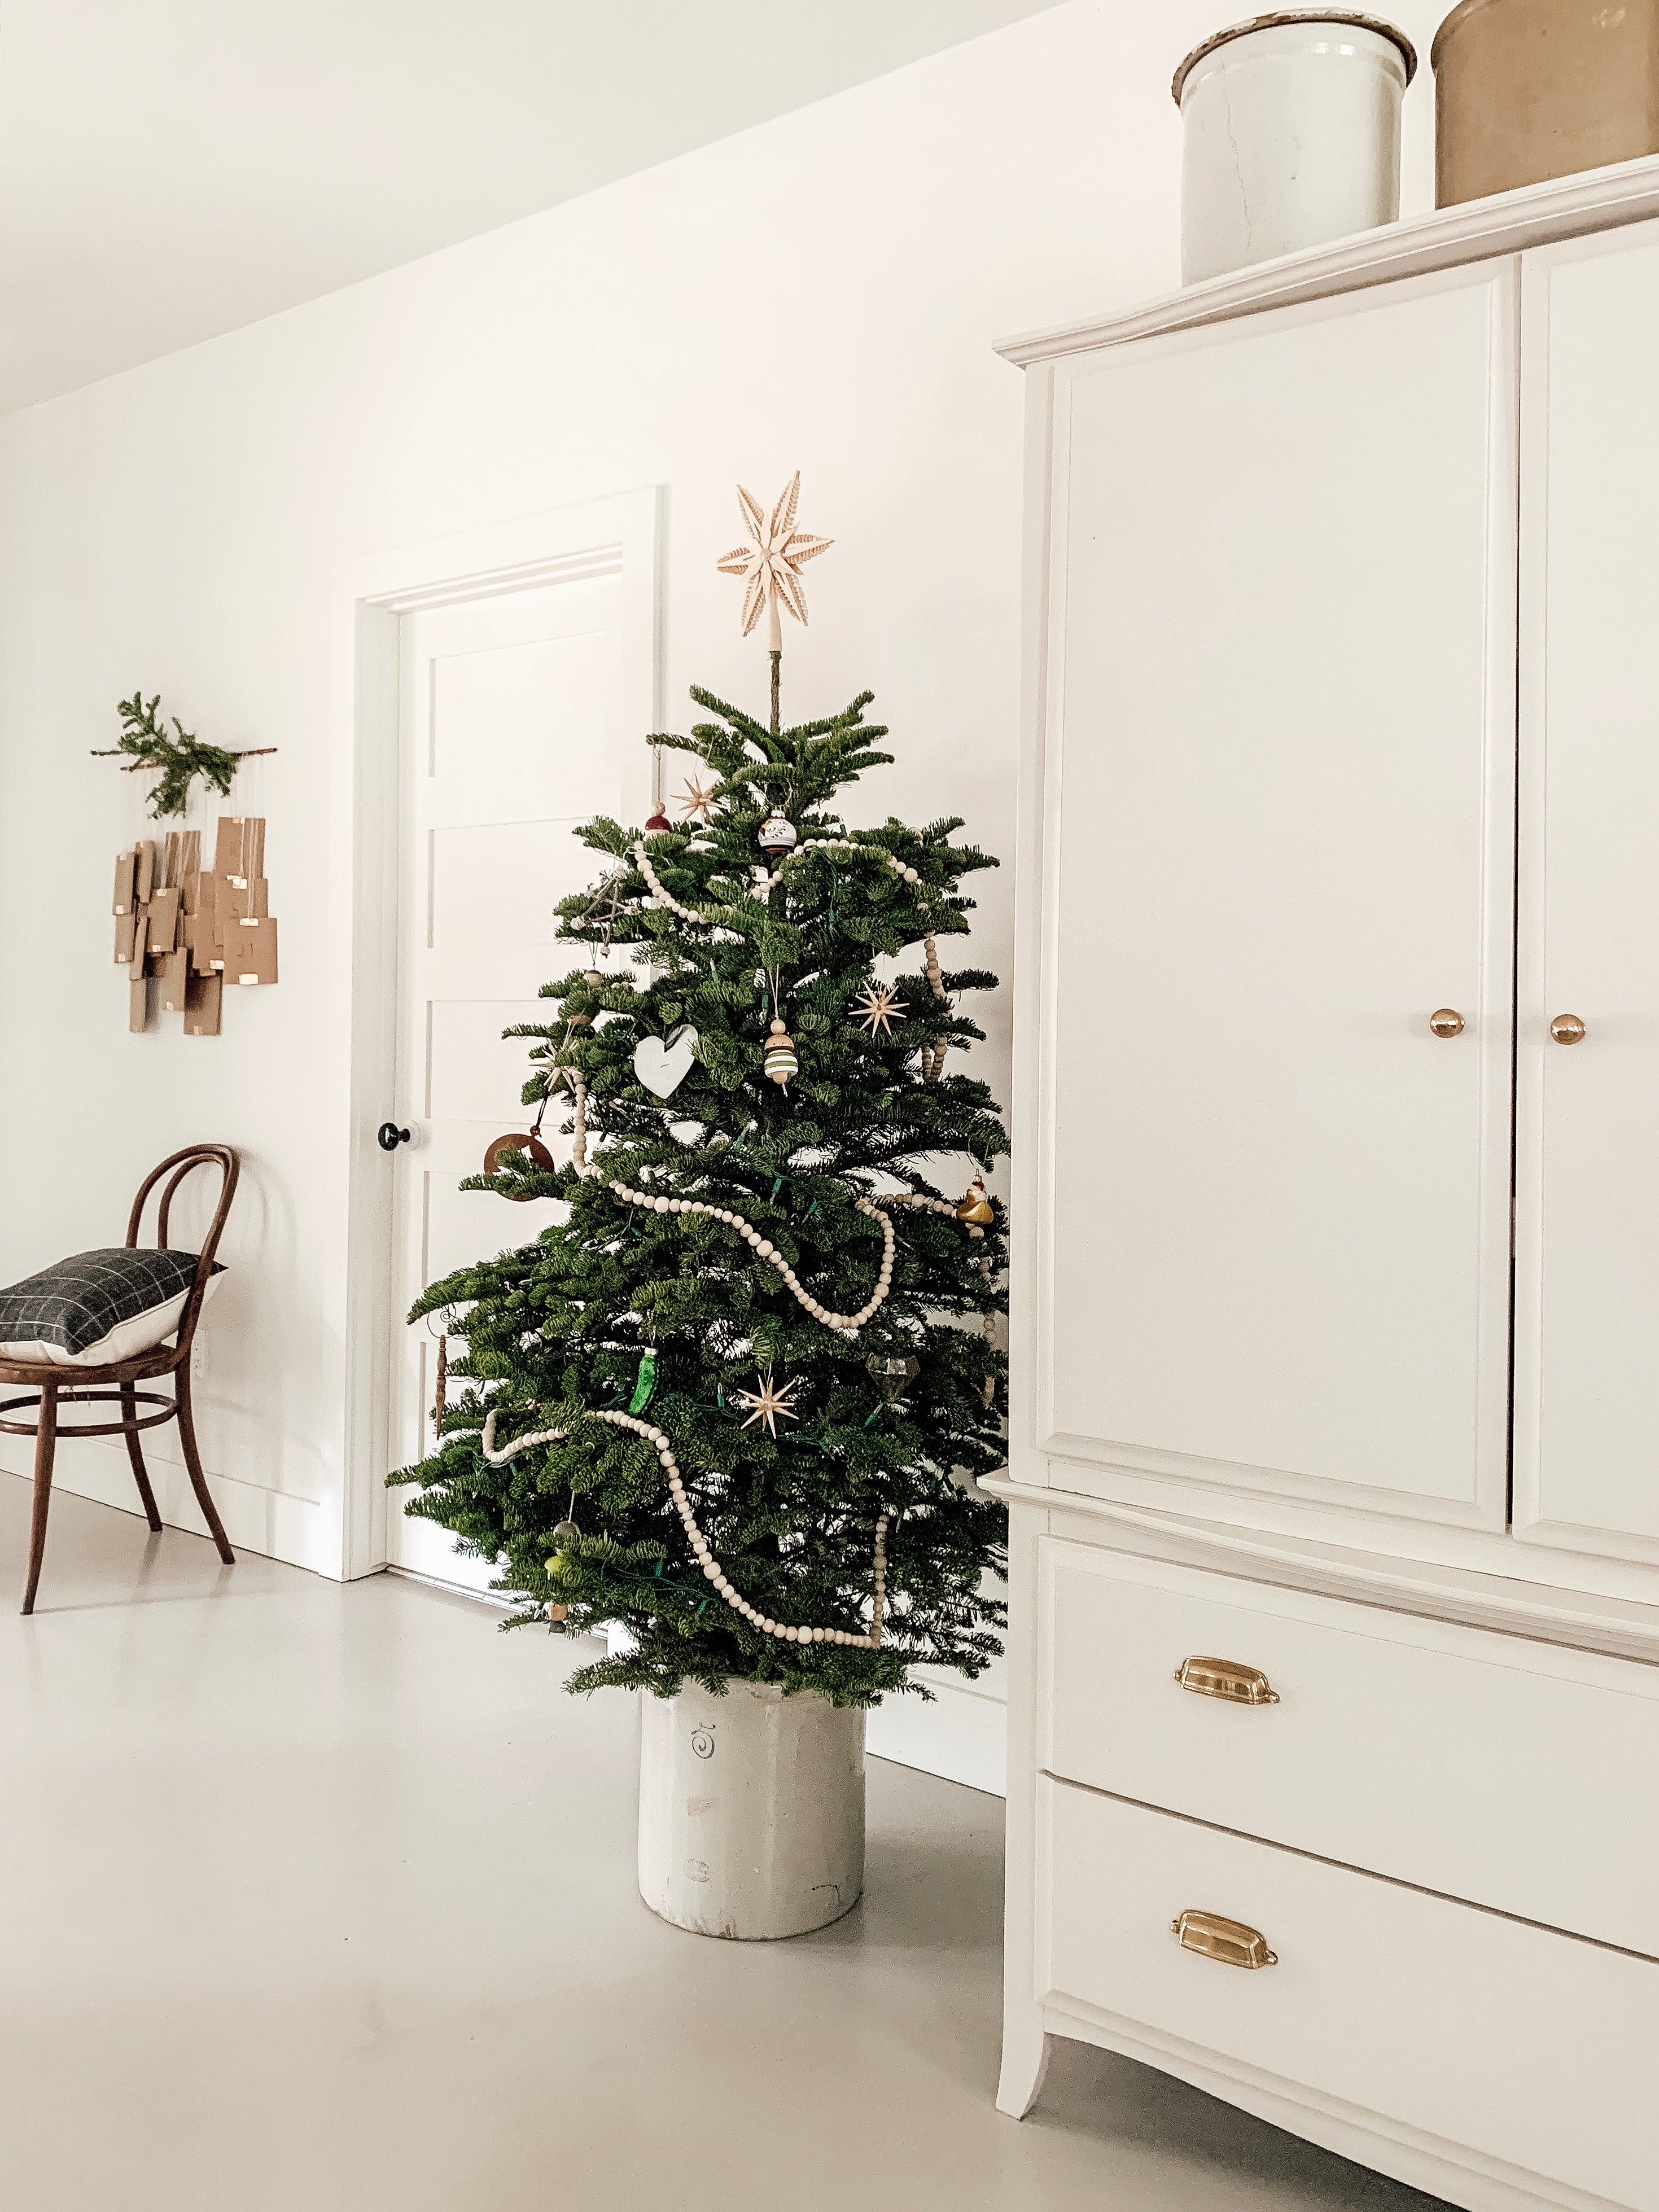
x=321 y=1899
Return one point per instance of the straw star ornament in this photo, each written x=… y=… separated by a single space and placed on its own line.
x=771 y=1405
x=696 y=800
x=771 y=566
x=876 y=1004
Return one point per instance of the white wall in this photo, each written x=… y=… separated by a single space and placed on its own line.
x=819 y=292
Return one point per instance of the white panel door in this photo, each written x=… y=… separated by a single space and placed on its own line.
x=511 y=710
x=1587 y=1226
x=1278 y=834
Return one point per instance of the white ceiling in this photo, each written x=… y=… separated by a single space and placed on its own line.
x=173 y=169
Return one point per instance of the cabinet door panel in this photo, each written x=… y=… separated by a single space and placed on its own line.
x=1587 y=1227
x=1279 y=834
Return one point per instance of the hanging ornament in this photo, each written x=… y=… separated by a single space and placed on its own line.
x=777 y=834
x=975 y=1205
x=877 y=1003
x=656 y=821
x=663 y=1064
x=563 y=1566
x=593 y=976
x=771 y=1405
x=696 y=801
x=780 y=1062
x=891 y=1371
x=535 y=1155
x=440 y=1398
x=645 y=1382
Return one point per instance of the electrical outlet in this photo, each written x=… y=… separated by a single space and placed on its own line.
x=198 y=1359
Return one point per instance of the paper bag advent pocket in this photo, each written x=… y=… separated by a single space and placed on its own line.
x=203 y=995
x=164 y=923
x=251 y=950
x=172 y=970
x=239 y=848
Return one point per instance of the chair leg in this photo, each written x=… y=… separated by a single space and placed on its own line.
x=45 y=1445
x=193 y=1462
x=135 y=1454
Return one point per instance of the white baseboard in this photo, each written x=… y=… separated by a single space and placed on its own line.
x=962 y=1736
x=256 y=1520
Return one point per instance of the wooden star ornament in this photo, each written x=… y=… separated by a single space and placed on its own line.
x=695 y=801
x=876 y=1004
x=771 y=566
x=771 y=1404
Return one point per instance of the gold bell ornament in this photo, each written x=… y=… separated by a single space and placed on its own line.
x=974 y=1207
x=780 y=1062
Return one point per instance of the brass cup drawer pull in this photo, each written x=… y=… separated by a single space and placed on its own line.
x=1228 y=1942
x=1225 y=1678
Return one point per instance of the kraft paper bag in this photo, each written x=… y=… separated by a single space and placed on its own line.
x=251 y=950
x=173 y=972
x=164 y=922
x=204 y=996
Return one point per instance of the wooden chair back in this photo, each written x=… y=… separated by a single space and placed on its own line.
x=183 y=1163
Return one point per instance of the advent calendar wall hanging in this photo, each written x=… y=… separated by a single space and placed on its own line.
x=182 y=931
x=180 y=925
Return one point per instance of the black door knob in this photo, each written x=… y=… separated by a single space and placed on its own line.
x=391 y=1136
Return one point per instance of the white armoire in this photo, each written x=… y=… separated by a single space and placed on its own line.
x=1333 y=1775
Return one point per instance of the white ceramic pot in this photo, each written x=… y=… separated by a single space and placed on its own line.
x=751 y=1810
x=1290 y=136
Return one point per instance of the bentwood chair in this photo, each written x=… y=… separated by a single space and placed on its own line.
x=52 y=1384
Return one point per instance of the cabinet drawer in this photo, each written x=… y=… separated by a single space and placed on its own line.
x=1487 y=1767
x=1532 y=2048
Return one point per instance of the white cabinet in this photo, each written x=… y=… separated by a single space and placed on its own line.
x=1280 y=756
x=1587 y=1219
x=1335 y=1447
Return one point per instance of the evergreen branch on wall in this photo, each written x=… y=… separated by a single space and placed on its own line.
x=176 y=760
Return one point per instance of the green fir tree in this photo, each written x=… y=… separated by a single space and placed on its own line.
x=625 y=1307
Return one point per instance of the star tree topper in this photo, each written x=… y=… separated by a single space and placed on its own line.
x=771 y=566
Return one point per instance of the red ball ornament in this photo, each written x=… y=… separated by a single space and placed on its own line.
x=658 y=821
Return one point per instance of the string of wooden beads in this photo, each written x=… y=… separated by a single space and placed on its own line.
x=932 y=1058
x=711 y=1567
x=767 y=879
x=765 y=1249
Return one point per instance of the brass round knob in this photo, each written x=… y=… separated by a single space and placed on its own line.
x=1446 y=1021
x=1566 y=1029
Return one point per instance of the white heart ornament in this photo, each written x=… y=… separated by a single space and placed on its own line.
x=663 y=1067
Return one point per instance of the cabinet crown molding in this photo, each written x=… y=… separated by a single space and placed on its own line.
x=1446 y=238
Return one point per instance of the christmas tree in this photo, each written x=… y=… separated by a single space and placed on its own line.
x=738 y=1398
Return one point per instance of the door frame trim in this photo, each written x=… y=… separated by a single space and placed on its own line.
x=371 y=595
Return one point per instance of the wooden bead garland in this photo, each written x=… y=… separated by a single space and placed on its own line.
x=699 y=1542
x=932 y=1057
x=765 y=1249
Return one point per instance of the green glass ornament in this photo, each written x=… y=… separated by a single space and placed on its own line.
x=645 y=1385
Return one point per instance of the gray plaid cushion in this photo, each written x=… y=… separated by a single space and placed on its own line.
x=78 y=1302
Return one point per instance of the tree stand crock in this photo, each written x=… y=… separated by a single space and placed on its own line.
x=751 y=1810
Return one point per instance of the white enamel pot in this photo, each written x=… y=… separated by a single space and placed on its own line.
x=1290 y=136
x=751 y=1810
